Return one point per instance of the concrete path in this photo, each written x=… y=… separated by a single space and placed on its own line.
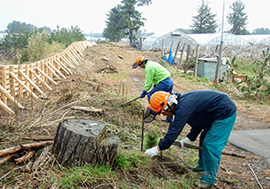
x=256 y=141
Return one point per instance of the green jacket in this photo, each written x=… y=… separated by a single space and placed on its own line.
x=154 y=73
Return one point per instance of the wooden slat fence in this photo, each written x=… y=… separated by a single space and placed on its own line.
x=19 y=81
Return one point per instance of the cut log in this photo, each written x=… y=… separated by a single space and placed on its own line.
x=80 y=141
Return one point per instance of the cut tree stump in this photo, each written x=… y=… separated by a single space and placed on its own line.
x=80 y=141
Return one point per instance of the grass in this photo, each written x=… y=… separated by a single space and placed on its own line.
x=86 y=175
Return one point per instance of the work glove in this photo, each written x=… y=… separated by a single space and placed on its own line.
x=152 y=151
x=183 y=141
x=143 y=94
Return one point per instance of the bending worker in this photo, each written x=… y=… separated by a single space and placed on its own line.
x=209 y=113
x=154 y=74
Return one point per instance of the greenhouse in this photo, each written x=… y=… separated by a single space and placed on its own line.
x=208 y=42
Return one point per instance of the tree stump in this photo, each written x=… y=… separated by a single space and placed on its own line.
x=80 y=141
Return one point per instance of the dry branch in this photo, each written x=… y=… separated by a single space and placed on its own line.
x=37 y=139
x=5 y=159
x=87 y=109
x=25 y=158
x=24 y=147
x=28 y=167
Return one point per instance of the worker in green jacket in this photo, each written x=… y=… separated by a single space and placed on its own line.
x=154 y=74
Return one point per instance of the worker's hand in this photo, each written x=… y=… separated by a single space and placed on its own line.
x=152 y=151
x=143 y=94
x=185 y=140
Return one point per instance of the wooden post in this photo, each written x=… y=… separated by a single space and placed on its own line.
x=40 y=80
x=162 y=47
x=62 y=66
x=176 y=50
x=75 y=53
x=196 y=60
x=46 y=76
x=142 y=130
x=67 y=62
x=5 y=107
x=3 y=83
x=171 y=45
x=51 y=72
x=27 y=73
x=181 y=56
x=73 y=59
x=31 y=83
x=42 y=69
x=23 y=85
x=12 y=83
x=56 y=70
x=218 y=62
x=186 y=62
x=20 y=85
x=11 y=98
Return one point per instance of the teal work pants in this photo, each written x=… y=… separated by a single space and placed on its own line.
x=213 y=141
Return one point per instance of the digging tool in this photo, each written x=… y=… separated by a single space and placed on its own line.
x=129 y=102
x=177 y=143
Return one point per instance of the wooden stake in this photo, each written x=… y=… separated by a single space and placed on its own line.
x=142 y=130
x=23 y=85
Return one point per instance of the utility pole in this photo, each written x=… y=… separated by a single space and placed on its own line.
x=91 y=36
x=219 y=58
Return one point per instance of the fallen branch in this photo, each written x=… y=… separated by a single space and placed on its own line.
x=254 y=175
x=37 y=139
x=25 y=158
x=24 y=147
x=28 y=167
x=5 y=159
x=87 y=109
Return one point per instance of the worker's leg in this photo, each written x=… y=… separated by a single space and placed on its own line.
x=213 y=143
x=200 y=161
x=165 y=85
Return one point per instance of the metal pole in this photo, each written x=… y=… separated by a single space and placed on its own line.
x=220 y=48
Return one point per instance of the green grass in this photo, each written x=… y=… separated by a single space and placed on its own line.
x=75 y=176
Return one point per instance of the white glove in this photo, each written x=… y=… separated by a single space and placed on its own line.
x=152 y=151
x=186 y=140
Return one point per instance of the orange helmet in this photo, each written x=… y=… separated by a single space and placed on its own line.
x=158 y=101
x=139 y=60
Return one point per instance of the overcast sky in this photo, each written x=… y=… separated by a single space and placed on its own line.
x=90 y=15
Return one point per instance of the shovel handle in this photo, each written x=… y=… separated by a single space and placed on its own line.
x=177 y=143
x=129 y=102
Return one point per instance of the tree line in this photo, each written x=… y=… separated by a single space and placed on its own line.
x=124 y=20
x=27 y=43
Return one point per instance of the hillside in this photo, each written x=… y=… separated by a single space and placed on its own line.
x=106 y=85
